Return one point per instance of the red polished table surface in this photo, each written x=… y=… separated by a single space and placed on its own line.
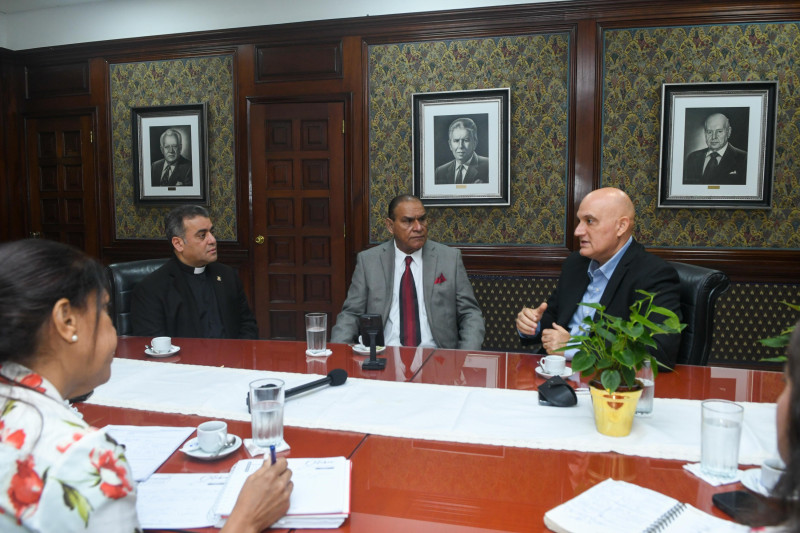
x=431 y=486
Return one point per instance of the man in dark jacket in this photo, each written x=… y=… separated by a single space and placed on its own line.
x=192 y=295
x=608 y=269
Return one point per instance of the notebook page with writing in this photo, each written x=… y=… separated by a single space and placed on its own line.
x=613 y=506
x=321 y=486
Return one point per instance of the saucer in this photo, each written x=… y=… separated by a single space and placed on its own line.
x=172 y=351
x=192 y=449
x=751 y=479
x=565 y=374
x=364 y=350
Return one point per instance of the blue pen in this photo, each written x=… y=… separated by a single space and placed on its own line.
x=272 y=453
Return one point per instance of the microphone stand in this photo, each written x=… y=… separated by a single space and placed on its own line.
x=374 y=362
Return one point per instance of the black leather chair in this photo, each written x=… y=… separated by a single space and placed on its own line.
x=122 y=279
x=700 y=288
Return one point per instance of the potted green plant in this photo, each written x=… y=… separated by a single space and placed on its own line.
x=611 y=350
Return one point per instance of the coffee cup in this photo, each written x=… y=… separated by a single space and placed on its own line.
x=771 y=471
x=212 y=435
x=161 y=344
x=553 y=364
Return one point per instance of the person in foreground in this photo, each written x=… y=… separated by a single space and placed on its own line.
x=608 y=269
x=192 y=295
x=419 y=287
x=57 y=341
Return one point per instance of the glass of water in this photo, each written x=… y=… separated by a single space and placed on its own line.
x=266 y=411
x=316 y=333
x=719 y=438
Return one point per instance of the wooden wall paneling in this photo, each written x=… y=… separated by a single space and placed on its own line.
x=585 y=16
x=45 y=81
x=13 y=184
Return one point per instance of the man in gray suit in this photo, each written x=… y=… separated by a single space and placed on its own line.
x=467 y=166
x=448 y=316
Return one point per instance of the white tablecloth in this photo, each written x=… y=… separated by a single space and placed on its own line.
x=434 y=412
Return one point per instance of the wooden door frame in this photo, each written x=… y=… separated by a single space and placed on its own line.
x=353 y=192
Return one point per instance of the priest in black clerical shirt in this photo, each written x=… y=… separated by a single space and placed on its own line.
x=192 y=295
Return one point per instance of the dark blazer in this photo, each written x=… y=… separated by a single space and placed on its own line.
x=478 y=171
x=182 y=172
x=637 y=269
x=163 y=304
x=732 y=168
x=454 y=316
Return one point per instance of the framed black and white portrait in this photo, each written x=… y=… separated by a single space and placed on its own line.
x=461 y=147
x=717 y=145
x=170 y=154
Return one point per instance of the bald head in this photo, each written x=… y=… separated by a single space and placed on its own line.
x=605 y=222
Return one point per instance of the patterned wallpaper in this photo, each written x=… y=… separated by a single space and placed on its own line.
x=636 y=63
x=536 y=68
x=179 y=81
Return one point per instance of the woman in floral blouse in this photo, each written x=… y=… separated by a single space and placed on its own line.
x=57 y=341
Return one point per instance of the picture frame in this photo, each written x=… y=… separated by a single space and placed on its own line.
x=178 y=172
x=485 y=172
x=736 y=118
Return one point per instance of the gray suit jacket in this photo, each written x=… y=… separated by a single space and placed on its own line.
x=454 y=317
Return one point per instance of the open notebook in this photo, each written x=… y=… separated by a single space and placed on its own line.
x=320 y=499
x=613 y=506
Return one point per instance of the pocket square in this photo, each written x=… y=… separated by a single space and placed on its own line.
x=440 y=279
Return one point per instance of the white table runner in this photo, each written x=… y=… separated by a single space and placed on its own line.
x=434 y=412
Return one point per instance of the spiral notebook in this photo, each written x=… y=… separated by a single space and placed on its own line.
x=613 y=506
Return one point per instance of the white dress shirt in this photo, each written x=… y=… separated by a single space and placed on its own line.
x=391 y=330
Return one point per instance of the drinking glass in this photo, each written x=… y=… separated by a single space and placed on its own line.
x=316 y=332
x=719 y=438
x=266 y=411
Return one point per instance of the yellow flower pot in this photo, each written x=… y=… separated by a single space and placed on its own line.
x=613 y=412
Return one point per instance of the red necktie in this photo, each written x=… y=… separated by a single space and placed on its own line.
x=409 y=312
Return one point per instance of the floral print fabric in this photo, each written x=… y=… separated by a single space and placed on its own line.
x=57 y=474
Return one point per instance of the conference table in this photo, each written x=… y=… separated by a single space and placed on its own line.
x=421 y=485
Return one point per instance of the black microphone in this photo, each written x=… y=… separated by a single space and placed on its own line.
x=335 y=377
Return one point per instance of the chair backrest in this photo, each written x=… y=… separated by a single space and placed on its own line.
x=122 y=279
x=700 y=288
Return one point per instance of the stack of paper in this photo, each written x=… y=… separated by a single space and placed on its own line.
x=320 y=499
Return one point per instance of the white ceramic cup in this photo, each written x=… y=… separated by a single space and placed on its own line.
x=161 y=344
x=554 y=364
x=771 y=471
x=212 y=436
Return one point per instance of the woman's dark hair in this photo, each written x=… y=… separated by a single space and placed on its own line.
x=34 y=275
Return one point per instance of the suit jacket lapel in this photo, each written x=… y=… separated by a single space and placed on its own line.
x=222 y=300
x=472 y=171
x=387 y=263
x=619 y=273
x=430 y=260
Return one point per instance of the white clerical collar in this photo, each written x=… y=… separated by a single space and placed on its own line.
x=199 y=270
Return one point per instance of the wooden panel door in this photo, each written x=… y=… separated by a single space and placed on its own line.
x=297 y=168
x=61 y=180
